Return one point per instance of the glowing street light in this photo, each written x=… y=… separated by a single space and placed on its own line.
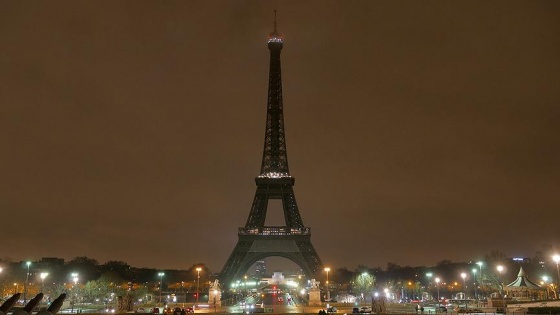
x=464 y=276
x=475 y=285
x=437 y=286
x=480 y=263
x=26 y=282
x=198 y=270
x=556 y=259
x=429 y=275
x=75 y=279
x=328 y=291
x=500 y=269
x=160 y=274
x=43 y=275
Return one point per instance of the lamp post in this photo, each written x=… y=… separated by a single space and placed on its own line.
x=160 y=274
x=328 y=291
x=429 y=275
x=556 y=259
x=43 y=275
x=475 y=285
x=437 y=286
x=500 y=269
x=198 y=283
x=25 y=284
x=464 y=276
x=480 y=283
x=75 y=296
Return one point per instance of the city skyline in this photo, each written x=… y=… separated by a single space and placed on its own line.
x=416 y=132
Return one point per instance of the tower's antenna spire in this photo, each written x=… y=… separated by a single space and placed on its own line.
x=275 y=36
x=275 y=32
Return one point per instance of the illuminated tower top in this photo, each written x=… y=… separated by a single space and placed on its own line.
x=275 y=37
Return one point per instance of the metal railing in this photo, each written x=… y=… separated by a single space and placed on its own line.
x=274 y=230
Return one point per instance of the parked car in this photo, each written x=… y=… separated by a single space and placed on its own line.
x=332 y=310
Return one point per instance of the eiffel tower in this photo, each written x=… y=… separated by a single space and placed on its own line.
x=257 y=241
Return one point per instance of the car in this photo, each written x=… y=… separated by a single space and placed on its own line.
x=141 y=310
x=331 y=310
x=365 y=310
x=109 y=309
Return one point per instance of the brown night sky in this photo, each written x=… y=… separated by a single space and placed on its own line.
x=417 y=131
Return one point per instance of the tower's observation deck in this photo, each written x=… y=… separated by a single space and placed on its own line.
x=274 y=230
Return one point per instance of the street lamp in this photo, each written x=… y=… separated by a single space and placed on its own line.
x=480 y=283
x=198 y=283
x=429 y=275
x=75 y=278
x=475 y=285
x=556 y=259
x=328 y=291
x=500 y=269
x=43 y=275
x=25 y=284
x=364 y=275
x=160 y=274
x=464 y=276
x=437 y=286
x=75 y=297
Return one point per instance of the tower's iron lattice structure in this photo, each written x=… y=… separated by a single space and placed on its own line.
x=257 y=241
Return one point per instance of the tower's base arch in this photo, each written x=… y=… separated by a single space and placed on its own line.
x=252 y=248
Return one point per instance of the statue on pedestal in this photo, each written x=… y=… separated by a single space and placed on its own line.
x=215 y=294
x=314 y=293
